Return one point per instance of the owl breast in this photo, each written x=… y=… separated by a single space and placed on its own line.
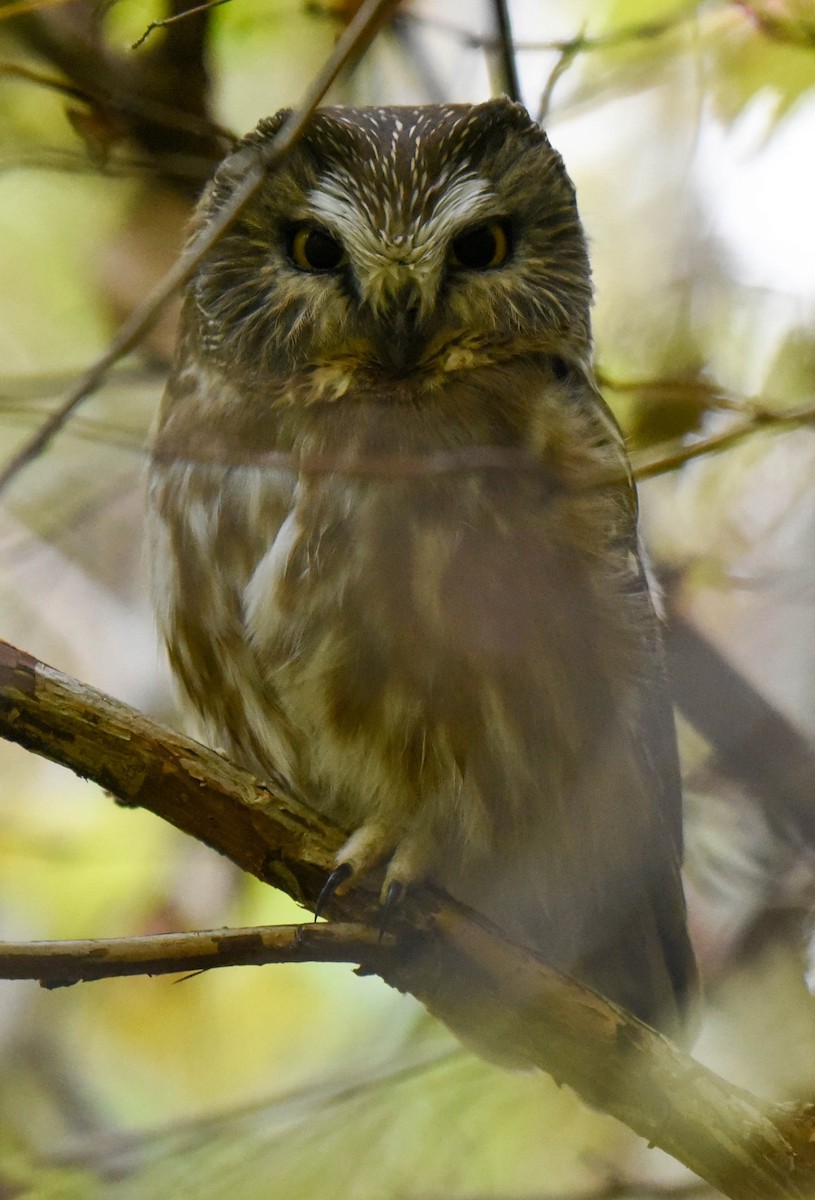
x=427 y=654
x=392 y=621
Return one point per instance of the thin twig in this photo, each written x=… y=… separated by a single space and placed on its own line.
x=479 y=458
x=580 y=44
x=758 y=417
x=30 y=75
x=188 y=12
x=645 y=466
x=69 y=162
x=506 y=52
x=678 y=386
x=564 y=60
x=350 y=45
x=60 y=964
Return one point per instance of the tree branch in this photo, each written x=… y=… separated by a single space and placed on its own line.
x=646 y=465
x=451 y=959
x=60 y=964
x=753 y=742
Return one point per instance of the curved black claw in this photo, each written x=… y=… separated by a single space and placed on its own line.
x=393 y=897
x=337 y=877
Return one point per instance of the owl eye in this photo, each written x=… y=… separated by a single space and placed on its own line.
x=314 y=249
x=480 y=247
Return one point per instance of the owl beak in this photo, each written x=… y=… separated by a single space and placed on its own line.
x=401 y=340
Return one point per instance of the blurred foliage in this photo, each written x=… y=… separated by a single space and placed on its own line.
x=780 y=62
x=297 y=1081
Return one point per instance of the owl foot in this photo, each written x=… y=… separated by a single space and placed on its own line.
x=393 y=898
x=366 y=848
x=360 y=854
x=411 y=859
x=337 y=877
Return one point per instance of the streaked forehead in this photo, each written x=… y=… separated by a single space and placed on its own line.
x=402 y=133
x=397 y=164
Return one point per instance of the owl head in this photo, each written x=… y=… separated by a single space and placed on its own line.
x=405 y=241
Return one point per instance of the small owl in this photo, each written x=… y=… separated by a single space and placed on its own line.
x=394 y=540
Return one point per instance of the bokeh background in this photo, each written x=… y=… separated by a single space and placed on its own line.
x=689 y=129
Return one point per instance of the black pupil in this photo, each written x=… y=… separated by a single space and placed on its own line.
x=560 y=368
x=476 y=248
x=321 y=251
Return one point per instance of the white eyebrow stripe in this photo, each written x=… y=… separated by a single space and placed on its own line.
x=460 y=201
x=340 y=202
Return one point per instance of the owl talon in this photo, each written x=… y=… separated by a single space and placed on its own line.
x=393 y=897
x=338 y=876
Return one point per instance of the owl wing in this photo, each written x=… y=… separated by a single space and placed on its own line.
x=656 y=749
x=649 y=965
x=663 y=919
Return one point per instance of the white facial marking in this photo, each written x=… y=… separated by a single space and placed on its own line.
x=406 y=236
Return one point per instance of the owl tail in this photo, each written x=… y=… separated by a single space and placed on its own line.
x=507 y=1010
x=629 y=942
x=647 y=966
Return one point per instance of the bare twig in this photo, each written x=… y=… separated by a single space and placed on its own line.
x=478 y=458
x=568 y=51
x=755 y=416
x=187 y=12
x=67 y=162
x=565 y=59
x=60 y=964
x=581 y=44
x=704 y=391
x=506 y=52
x=42 y=79
x=647 y=465
x=144 y=106
x=453 y=961
x=349 y=46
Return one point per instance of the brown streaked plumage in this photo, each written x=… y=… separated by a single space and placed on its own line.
x=460 y=666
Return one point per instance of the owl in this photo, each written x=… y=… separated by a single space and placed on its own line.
x=394 y=536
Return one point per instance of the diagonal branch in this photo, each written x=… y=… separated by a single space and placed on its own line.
x=754 y=743
x=665 y=459
x=452 y=960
